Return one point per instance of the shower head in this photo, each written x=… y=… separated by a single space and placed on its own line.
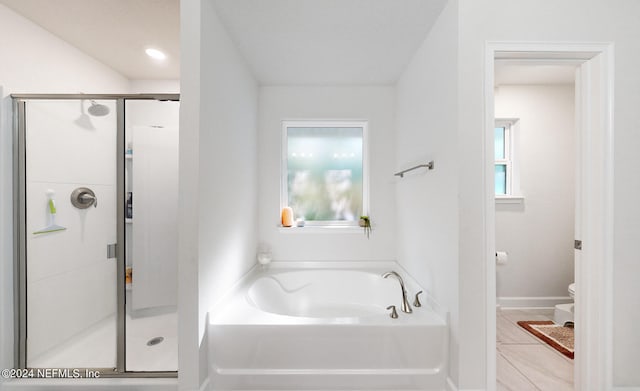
x=97 y=110
x=83 y=120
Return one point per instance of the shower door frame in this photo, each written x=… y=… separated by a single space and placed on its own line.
x=19 y=231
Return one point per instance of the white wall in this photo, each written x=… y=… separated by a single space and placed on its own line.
x=566 y=20
x=427 y=209
x=228 y=164
x=375 y=104
x=139 y=86
x=538 y=234
x=218 y=174
x=188 y=166
x=50 y=65
x=33 y=60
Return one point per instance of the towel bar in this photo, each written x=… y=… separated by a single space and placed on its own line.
x=428 y=166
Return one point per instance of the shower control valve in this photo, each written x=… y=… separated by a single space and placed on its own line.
x=83 y=198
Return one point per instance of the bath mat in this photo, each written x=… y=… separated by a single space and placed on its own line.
x=558 y=337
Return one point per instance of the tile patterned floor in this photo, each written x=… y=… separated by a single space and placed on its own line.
x=526 y=363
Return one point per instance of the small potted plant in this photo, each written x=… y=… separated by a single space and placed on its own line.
x=365 y=222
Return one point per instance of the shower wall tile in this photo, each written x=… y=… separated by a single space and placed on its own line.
x=59 y=150
x=61 y=307
x=85 y=239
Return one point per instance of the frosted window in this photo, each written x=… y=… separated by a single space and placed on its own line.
x=499 y=140
x=324 y=173
x=501 y=179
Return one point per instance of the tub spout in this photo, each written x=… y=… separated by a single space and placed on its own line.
x=405 y=303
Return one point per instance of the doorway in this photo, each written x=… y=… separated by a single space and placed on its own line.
x=534 y=211
x=594 y=202
x=76 y=306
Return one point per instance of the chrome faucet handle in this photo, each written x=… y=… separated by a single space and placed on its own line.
x=89 y=199
x=416 y=302
x=394 y=313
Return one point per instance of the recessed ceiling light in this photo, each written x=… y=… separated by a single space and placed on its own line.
x=155 y=54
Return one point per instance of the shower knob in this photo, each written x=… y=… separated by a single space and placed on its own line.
x=416 y=302
x=394 y=313
x=83 y=198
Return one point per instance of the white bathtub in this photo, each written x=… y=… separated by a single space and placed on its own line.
x=310 y=328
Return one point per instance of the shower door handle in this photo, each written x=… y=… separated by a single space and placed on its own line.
x=112 y=250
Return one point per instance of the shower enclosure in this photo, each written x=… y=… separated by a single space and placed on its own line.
x=96 y=238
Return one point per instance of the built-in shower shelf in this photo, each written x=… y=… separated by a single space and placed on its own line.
x=128 y=221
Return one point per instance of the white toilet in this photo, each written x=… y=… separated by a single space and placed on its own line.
x=563 y=313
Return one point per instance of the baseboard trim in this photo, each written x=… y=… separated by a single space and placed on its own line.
x=532 y=302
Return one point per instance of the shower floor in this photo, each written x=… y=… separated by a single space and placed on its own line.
x=160 y=357
x=97 y=346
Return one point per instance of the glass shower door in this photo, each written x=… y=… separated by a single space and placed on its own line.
x=70 y=221
x=151 y=136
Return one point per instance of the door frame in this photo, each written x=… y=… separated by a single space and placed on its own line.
x=594 y=175
x=19 y=227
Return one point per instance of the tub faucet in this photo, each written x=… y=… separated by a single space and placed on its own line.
x=405 y=303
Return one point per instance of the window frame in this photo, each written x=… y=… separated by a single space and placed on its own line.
x=513 y=194
x=284 y=191
x=508 y=156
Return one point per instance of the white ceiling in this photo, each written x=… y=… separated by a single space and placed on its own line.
x=328 y=41
x=533 y=73
x=284 y=41
x=115 y=32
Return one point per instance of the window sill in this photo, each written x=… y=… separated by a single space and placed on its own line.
x=509 y=199
x=319 y=229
